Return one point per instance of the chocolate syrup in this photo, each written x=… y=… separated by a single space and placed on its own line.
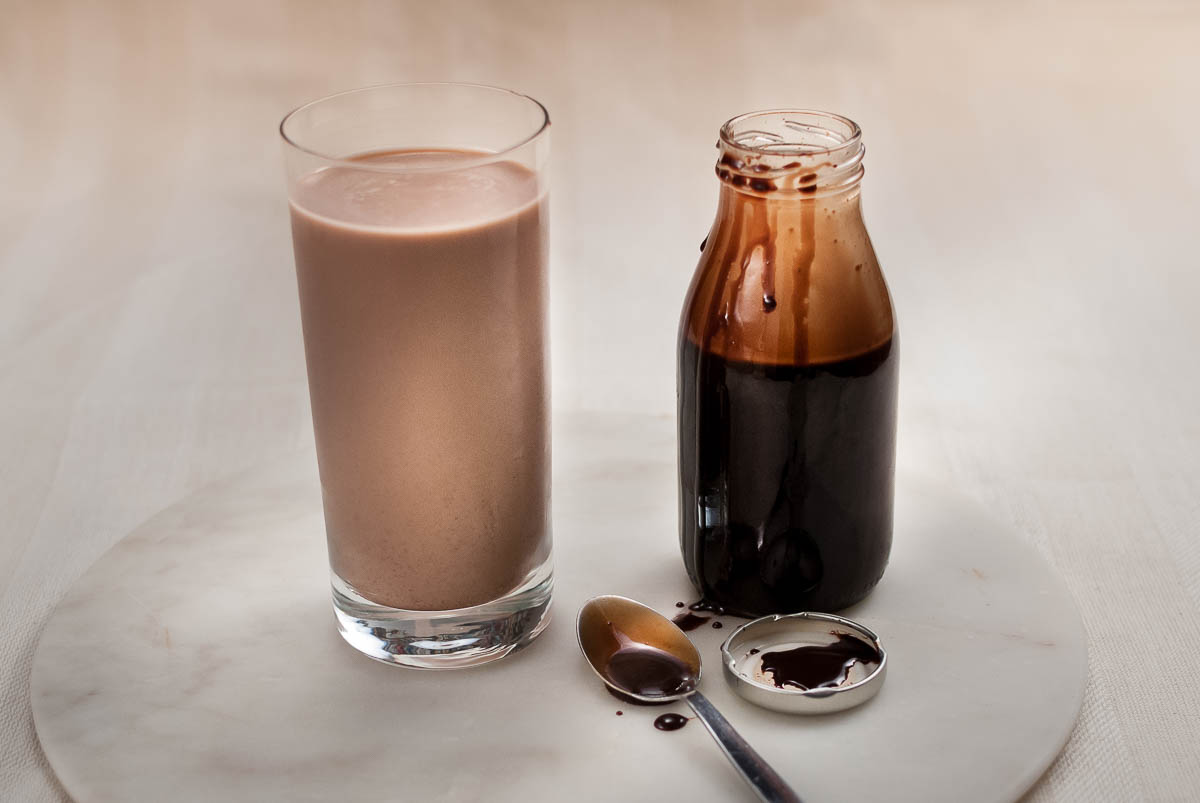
x=818 y=666
x=688 y=621
x=670 y=722
x=649 y=672
x=787 y=474
x=707 y=605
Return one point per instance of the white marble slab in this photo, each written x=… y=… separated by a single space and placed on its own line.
x=198 y=660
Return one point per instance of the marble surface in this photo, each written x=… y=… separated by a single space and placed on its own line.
x=198 y=660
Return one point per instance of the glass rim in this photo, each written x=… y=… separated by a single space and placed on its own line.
x=483 y=159
x=728 y=135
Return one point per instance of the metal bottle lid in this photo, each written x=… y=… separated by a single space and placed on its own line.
x=743 y=653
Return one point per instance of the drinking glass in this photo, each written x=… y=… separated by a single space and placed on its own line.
x=419 y=225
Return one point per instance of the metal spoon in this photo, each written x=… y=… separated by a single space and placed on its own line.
x=638 y=652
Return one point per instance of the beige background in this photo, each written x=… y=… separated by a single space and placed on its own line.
x=1032 y=188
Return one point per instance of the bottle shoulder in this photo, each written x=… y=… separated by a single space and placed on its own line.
x=784 y=298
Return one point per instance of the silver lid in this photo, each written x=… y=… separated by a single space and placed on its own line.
x=743 y=653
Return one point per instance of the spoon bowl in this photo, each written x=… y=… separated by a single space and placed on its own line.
x=615 y=633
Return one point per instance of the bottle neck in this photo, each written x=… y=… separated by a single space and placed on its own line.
x=790 y=186
x=790 y=155
x=735 y=205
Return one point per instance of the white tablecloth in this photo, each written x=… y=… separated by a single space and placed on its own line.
x=1032 y=186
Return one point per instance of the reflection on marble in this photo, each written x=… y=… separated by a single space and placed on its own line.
x=198 y=660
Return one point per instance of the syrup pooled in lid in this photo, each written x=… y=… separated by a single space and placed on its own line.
x=804 y=663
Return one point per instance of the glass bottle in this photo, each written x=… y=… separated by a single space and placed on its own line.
x=787 y=377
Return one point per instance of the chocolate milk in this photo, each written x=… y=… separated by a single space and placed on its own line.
x=423 y=296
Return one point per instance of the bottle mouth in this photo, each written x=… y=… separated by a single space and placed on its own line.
x=790 y=151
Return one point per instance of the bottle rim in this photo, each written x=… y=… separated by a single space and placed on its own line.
x=802 y=151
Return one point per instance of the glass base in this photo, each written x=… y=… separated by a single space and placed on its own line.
x=445 y=639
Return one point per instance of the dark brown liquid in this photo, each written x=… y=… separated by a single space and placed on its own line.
x=649 y=672
x=688 y=621
x=707 y=605
x=818 y=666
x=786 y=474
x=670 y=722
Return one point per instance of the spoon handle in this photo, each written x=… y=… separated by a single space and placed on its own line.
x=767 y=783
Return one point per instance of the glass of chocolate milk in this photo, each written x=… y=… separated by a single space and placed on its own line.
x=788 y=370
x=419 y=221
